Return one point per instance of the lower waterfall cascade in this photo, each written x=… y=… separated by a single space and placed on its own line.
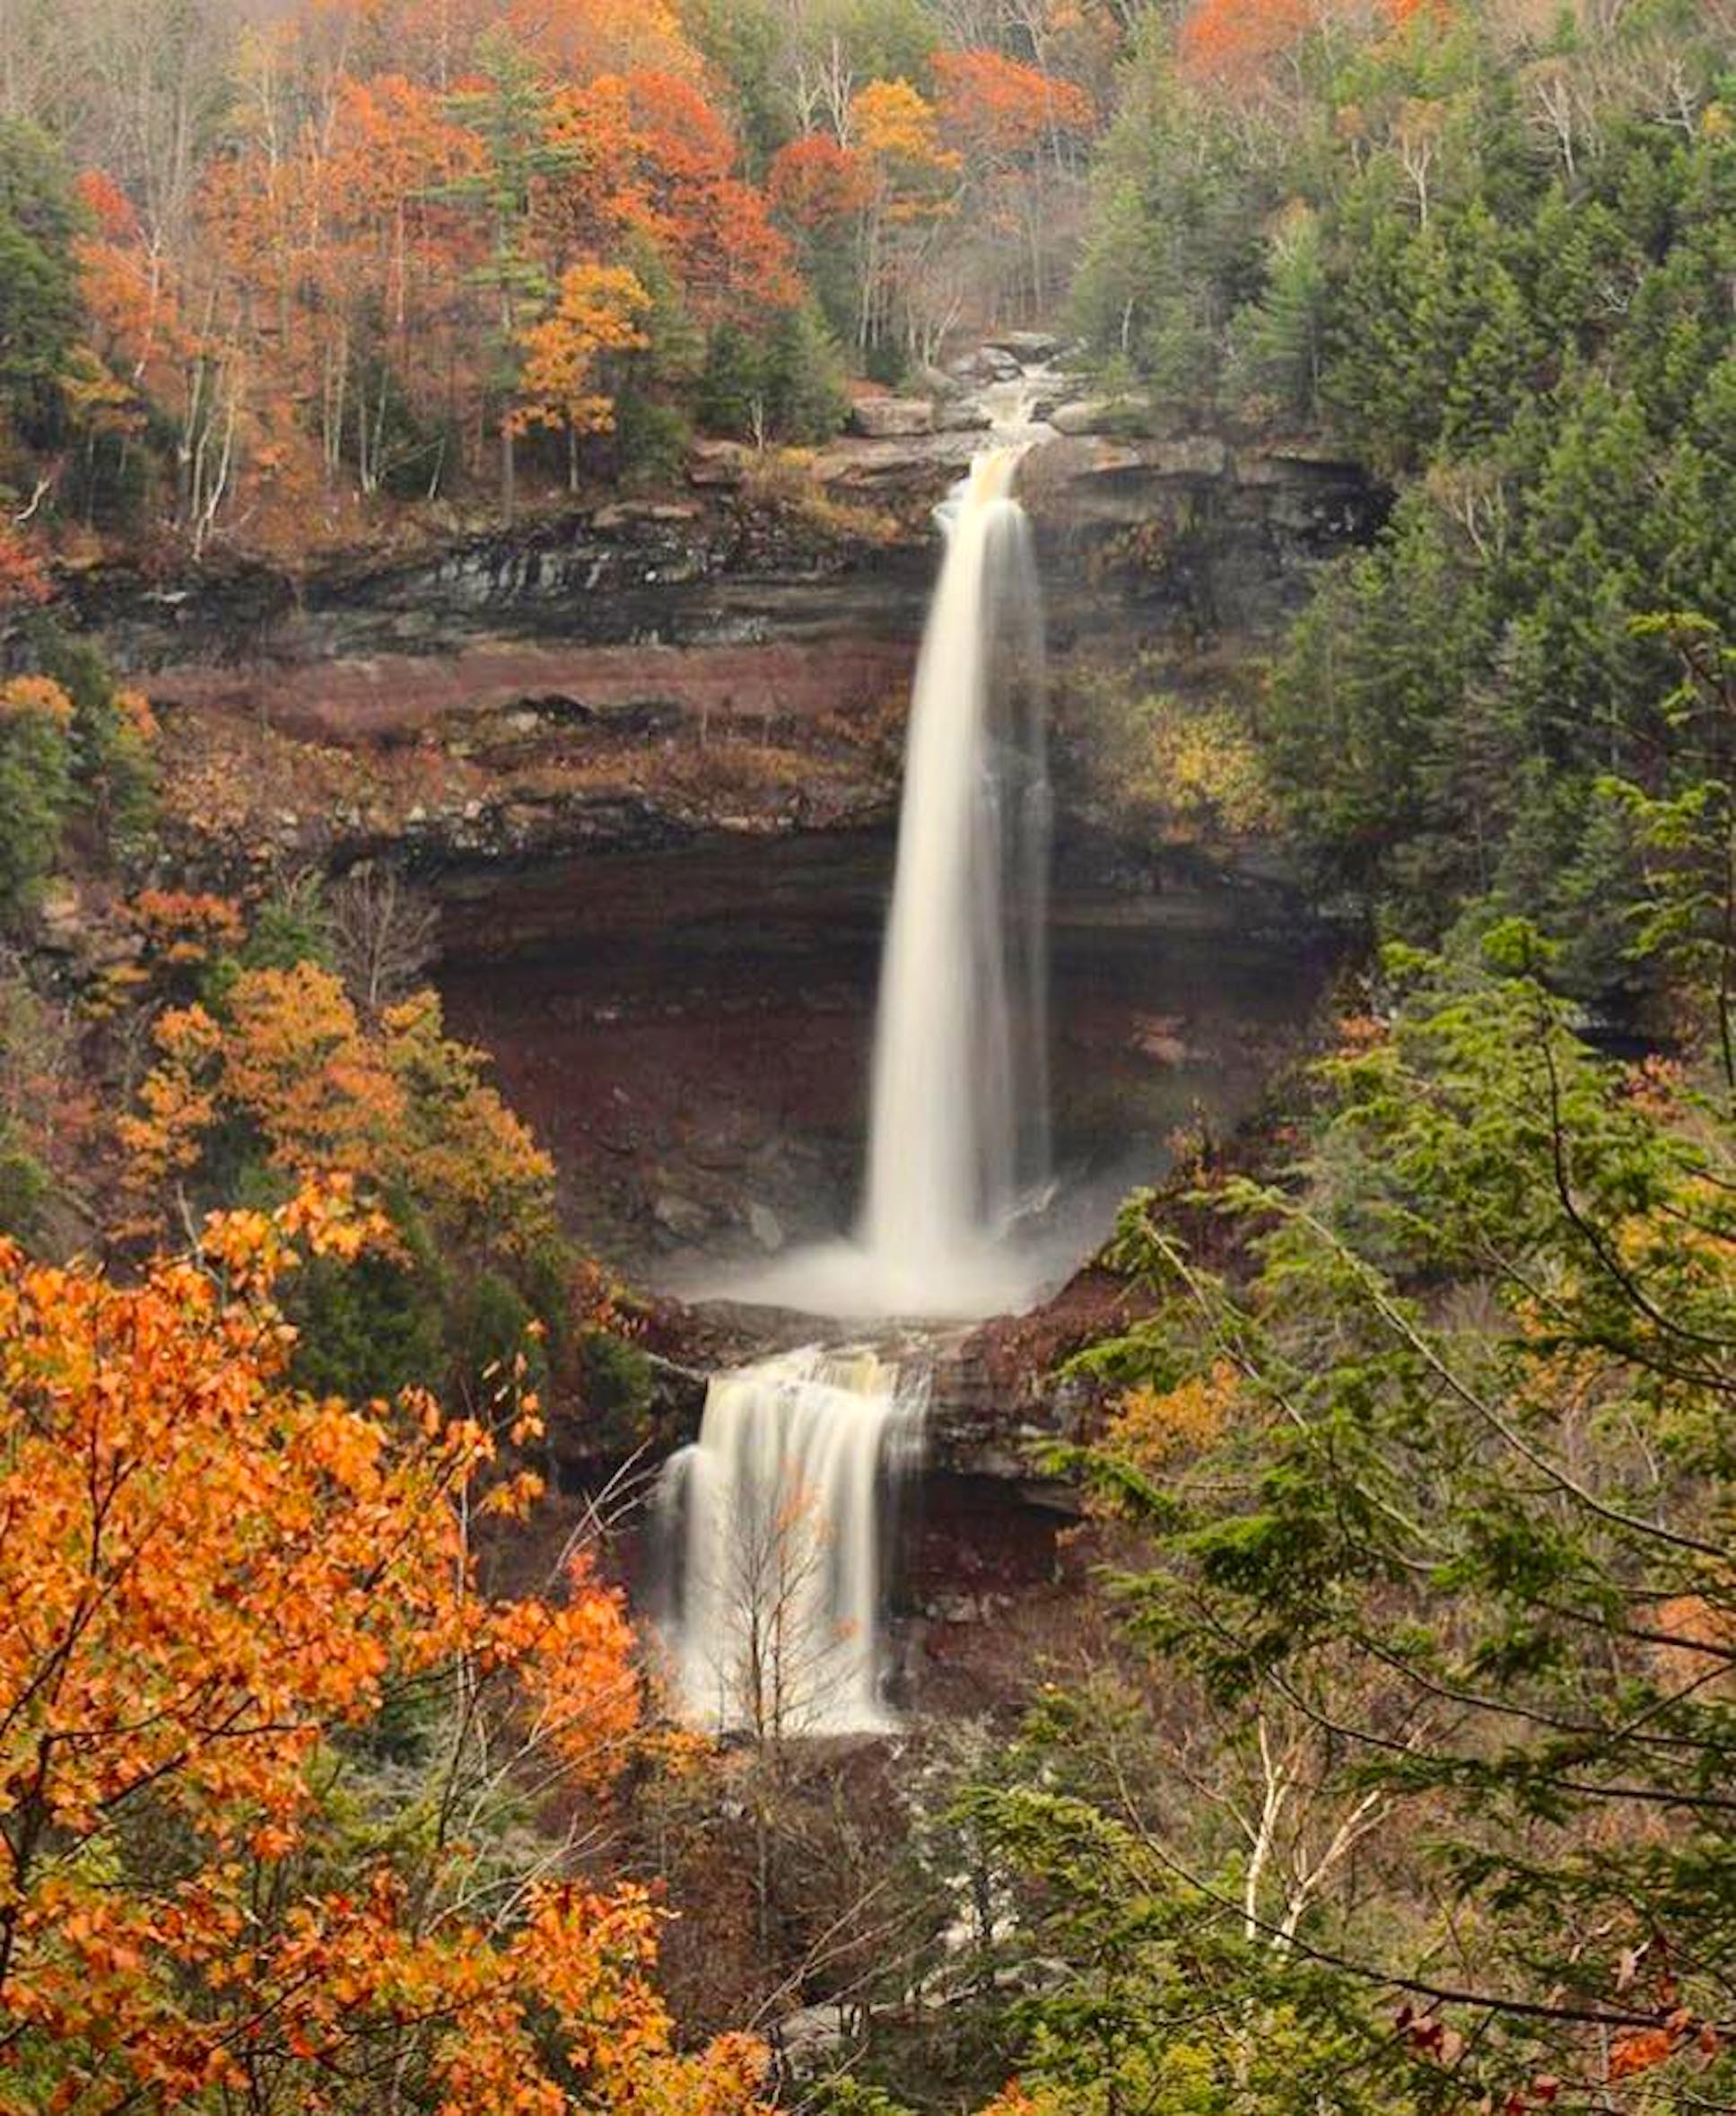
x=776 y=1520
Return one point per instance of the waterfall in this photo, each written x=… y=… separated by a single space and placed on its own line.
x=776 y=1512
x=958 y=1133
x=777 y=1523
x=958 y=1117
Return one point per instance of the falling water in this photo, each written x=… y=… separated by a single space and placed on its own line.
x=958 y=1132
x=776 y=1511
x=777 y=1518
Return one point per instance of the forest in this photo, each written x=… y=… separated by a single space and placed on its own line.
x=1361 y=1739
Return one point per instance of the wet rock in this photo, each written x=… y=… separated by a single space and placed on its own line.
x=681 y=1217
x=988 y=363
x=916 y=464
x=892 y=418
x=765 y=1226
x=1054 y=395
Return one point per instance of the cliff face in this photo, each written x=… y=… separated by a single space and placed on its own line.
x=648 y=755
x=625 y=676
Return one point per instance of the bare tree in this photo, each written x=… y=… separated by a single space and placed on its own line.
x=146 y=88
x=384 y=935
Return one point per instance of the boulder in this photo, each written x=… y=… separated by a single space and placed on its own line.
x=816 y=2036
x=967 y=416
x=1048 y=401
x=720 y=464
x=681 y=1217
x=1100 y=415
x=62 y=927
x=988 y=363
x=892 y=418
x=1030 y=348
x=938 y=383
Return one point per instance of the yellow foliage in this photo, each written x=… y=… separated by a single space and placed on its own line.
x=35 y=694
x=599 y=310
x=1195 y=766
x=401 y=1108
x=1151 y=1428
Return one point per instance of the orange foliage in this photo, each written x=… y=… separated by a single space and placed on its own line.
x=575 y=1667
x=209 y=1574
x=993 y=107
x=653 y=160
x=35 y=694
x=1234 y=42
x=813 y=182
x=1151 y=1427
x=21 y=575
x=1229 y=40
x=436 y=39
x=1633 y=2050
x=330 y=322
x=184 y=926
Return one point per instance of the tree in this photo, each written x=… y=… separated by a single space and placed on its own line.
x=1018 y=133
x=35 y=786
x=1460 y=1530
x=911 y=174
x=511 y=115
x=284 y=1070
x=39 y=306
x=596 y=313
x=229 y=1584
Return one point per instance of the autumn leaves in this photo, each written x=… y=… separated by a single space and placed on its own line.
x=216 y=1585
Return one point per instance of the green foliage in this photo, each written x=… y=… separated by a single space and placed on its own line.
x=786 y=386
x=1174 y=250
x=851 y=2097
x=25 y=1188
x=114 y=772
x=616 y=1386
x=38 y=286
x=1440 y=1608
x=372 y=1327
x=36 y=797
x=291 y=925
x=1499 y=273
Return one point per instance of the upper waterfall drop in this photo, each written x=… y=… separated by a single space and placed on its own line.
x=958 y=1132
x=958 y=1147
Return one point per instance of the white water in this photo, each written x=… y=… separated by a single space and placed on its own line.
x=958 y=1128
x=777 y=1510
x=777 y=1520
